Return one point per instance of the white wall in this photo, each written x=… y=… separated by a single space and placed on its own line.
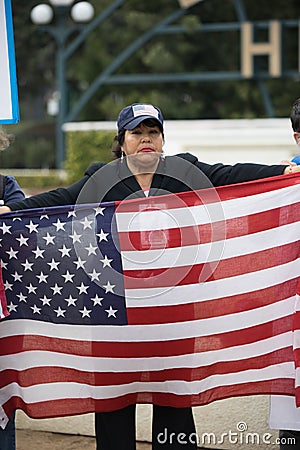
x=267 y=141
x=262 y=140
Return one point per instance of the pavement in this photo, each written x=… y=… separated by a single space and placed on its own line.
x=41 y=440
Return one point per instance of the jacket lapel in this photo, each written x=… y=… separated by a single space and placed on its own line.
x=129 y=181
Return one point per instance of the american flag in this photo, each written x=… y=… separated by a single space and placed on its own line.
x=175 y=300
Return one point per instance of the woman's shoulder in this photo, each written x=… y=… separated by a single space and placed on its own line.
x=187 y=157
x=94 y=167
x=10 y=182
x=11 y=190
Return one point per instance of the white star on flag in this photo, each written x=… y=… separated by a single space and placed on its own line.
x=64 y=251
x=99 y=210
x=60 y=312
x=42 y=277
x=94 y=275
x=71 y=300
x=12 y=253
x=35 y=309
x=45 y=300
x=53 y=264
x=22 y=240
x=106 y=261
x=109 y=287
x=87 y=223
x=49 y=239
x=32 y=227
x=59 y=225
x=38 y=252
x=68 y=277
x=102 y=236
x=85 y=312
x=56 y=289
x=5 y=229
x=75 y=237
x=82 y=289
x=97 y=300
x=111 y=312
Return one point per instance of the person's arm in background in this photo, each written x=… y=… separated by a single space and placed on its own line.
x=12 y=190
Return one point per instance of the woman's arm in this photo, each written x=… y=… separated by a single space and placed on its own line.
x=55 y=197
x=59 y=196
x=220 y=174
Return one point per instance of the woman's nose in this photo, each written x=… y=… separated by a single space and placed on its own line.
x=145 y=138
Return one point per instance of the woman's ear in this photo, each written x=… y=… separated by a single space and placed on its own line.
x=297 y=137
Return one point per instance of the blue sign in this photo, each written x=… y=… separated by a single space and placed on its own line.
x=9 y=107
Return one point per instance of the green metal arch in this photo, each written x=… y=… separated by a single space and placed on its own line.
x=104 y=76
x=163 y=27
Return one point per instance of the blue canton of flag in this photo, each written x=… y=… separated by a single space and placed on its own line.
x=62 y=265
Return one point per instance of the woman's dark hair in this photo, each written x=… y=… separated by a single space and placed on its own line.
x=118 y=142
x=119 y=138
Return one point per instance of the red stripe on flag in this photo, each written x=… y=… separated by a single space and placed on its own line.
x=212 y=308
x=211 y=232
x=198 y=273
x=155 y=348
x=37 y=375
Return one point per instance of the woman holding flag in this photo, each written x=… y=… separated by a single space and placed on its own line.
x=141 y=170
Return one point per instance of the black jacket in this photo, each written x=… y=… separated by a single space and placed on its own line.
x=109 y=182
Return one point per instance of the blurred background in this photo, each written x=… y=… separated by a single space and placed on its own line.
x=83 y=61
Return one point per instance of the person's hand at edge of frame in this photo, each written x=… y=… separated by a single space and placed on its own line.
x=4 y=209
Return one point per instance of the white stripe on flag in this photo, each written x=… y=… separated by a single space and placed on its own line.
x=203 y=214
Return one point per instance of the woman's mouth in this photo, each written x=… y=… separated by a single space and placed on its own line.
x=146 y=150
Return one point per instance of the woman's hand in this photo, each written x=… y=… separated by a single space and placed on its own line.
x=4 y=209
x=288 y=169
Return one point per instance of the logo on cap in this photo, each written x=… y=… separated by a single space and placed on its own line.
x=144 y=110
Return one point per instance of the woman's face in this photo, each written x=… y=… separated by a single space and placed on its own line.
x=143 y=144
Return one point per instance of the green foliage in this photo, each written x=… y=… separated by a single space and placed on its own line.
x=41 y=181
x=33 y=146
x=35 y=181
x=84 y=148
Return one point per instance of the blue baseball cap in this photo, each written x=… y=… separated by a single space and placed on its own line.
x=131 y=116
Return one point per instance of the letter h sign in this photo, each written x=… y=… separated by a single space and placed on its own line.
x=249 y=49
